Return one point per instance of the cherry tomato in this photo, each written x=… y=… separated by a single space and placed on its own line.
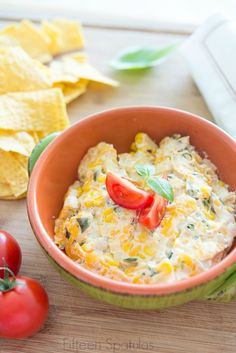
x=151 y=216
x=23 y=308
x=10 y=253
x=125 y=194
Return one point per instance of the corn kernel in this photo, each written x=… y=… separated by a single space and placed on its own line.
x=165 y=268
x=210 y=215
x=79 y=191
x=142 y=256
x=108 y=211
x=143 y=237
x=133 y=147
x=134 y=251
x=205 y=192
x=136 y=279
x=87 y=186
x=190 y=204
x=129 y=270
x=87 y=247
x=114 y=232
x=96 y=202
x=186 y=259
x=101 y=178
x=166 y=226
x=112 y=262
x=103 y=272
x=127 y=229
x=90 y=258
x=221 y=183
x=95 y=164
x=149 y=250
x=139 y=137
x=198 y=158
x=109 y=218
x=126 y=246
x=217 y=203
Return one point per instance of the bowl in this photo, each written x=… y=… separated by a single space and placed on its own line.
x=56 y=169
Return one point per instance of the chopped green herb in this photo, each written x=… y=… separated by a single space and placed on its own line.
x=95 y=175
x=190 y=226
x=82 y=242
x=207 y=202
x=191 y=190
x=67 y=234
x=153 y=273
x=131 y=259
x=84 y=223
x=170 y=254
x=170 y=176
x=187 y=155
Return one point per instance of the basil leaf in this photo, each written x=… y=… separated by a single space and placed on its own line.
x=144 y=169
x=141 y=57
x=162 y=187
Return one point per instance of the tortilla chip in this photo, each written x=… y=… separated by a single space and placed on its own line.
x=33 y=111
x=73 y=91
x=35 y=42
x=13 y=169
x=71 y=69
x=20 y=73
x=5 y=189
x=20 y=142
x=65 y=35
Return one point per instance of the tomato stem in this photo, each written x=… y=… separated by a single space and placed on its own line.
x=7 y=283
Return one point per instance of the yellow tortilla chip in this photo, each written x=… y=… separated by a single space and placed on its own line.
x=20 y=73
x=33 y=111
x=20 y=142
x=12 y=197
x=71 y=69
x=13 y=169
x=34 y=41
x=5 y=190
x=65 y=35
x=73 y=91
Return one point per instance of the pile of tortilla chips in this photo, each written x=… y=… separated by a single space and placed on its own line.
x=33 y=95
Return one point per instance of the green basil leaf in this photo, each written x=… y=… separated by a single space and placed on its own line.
x=144 y=169
x=141 y=57
x=162 y=187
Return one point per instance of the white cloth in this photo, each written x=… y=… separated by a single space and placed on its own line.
x=211 y=56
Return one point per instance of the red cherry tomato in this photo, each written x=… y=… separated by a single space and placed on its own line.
x=151 y=216
x=10 y=253
x=23 y=308
x=125 y=194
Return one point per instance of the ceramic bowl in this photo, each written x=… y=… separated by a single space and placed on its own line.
x=56 y=170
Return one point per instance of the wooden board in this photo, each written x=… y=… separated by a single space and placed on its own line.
x=76 y=322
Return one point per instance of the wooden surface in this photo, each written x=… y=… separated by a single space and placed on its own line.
x=76 y=322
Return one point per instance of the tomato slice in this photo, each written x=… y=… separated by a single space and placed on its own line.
x=125 y=194
x=151 y=216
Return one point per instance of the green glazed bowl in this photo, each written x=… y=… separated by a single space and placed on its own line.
x=53 y=167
